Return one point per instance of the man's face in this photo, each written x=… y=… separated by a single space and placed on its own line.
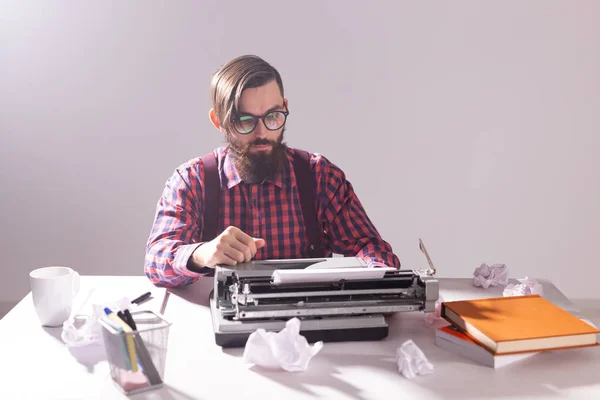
x=260 y=153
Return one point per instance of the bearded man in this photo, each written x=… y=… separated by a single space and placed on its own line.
x=256 y=207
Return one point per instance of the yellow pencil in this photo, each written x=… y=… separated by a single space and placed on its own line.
x=127 y=330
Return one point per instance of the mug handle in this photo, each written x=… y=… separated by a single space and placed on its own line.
x=75 y=283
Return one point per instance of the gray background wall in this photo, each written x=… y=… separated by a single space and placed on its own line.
x=473 y=125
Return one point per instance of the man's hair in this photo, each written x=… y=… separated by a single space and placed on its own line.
x=233 y=78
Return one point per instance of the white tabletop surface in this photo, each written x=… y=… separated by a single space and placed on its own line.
x=36 y=364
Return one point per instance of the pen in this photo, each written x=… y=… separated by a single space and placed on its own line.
x=124 y=318
x=128 y=338
x=129 y=320
x=143 y=297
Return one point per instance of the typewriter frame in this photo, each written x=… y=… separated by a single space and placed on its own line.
x=244 y=299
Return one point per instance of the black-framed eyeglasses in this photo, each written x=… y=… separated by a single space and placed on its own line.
x=246 y=123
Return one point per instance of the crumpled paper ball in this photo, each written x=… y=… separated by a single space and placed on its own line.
x=90 y=332
x=486 y=276
x=412 y=361
x=286 y=349
x=526 y=287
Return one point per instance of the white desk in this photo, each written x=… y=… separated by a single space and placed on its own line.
x=37 y=365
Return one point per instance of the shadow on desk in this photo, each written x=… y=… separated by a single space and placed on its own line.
x=89 y=355
x=196 y=293
x=545 y=374
x=55 y=332
x=329 y=368
x=165 y=393
x=328 y=374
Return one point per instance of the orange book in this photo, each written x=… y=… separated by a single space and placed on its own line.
x=517 y=324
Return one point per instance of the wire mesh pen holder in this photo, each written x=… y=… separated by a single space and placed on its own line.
x=137 y=358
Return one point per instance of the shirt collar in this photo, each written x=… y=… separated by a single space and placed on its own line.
x=232 y=176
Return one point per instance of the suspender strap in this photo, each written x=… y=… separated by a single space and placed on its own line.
x=305 y=181
x=212 y=197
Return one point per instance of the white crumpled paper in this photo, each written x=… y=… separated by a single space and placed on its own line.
x=286 y=349
x=75 y=334
x=526 y=287
x=88 y=333
x=486 y=276
x=412 y=361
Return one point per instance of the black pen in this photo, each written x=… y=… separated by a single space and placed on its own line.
x=130 y=320
x=123 y=316
x=141 y=298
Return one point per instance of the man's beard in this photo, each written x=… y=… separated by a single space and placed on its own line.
x=260 y=166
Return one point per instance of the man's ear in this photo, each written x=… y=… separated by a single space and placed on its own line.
x=213 y=118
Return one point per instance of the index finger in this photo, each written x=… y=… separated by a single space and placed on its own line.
x=246 y=239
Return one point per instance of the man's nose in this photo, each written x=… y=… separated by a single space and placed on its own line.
x=261 y=130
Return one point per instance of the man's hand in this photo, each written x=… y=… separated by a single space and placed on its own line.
x=232 y=246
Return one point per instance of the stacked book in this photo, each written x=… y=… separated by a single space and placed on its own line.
x=499 y=331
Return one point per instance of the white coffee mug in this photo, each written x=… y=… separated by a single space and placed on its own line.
x=53 y=289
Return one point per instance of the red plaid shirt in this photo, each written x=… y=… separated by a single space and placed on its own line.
x=270 y=211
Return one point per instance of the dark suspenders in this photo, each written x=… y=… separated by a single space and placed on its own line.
x=305 y=181
x=306 y=185
x=212 y=197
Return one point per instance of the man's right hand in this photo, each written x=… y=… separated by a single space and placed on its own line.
x=232 y=246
